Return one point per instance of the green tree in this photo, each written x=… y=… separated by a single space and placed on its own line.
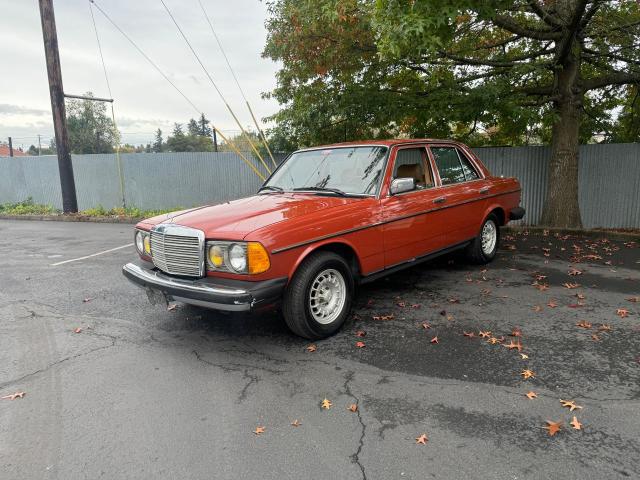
x=491 y=71
x=179 y=142
x=91 y=130
x=158 y=142
x=205 y=129
x=193 y=128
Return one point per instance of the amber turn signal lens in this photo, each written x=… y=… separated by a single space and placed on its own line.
x=216 y=256
x=147 y=245
x=258 y=258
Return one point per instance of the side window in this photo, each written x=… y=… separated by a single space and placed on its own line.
x=412 y=163
x=448 y=165
x=470 y=172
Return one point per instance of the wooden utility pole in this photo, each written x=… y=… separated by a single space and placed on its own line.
x=50 y=37
x=10 y=147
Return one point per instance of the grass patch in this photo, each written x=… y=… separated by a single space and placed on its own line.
x=28 y=207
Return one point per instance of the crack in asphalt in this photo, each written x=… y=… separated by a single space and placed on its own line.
x=355 y=458
x=56 y=363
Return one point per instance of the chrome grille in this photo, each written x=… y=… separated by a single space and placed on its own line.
x=178 y=250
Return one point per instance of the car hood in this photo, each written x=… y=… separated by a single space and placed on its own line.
x=235 y=219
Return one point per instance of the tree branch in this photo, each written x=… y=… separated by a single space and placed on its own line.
x=512 y=26
x=494 y=63
x=614 y=78
x=544 y=15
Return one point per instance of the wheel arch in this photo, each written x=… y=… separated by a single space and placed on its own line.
x=341 y=247
x=498 y=211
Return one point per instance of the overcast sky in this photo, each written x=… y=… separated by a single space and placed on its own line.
x=144 y=101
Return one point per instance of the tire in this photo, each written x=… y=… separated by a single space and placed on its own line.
x=475 y=251
x=323 y=283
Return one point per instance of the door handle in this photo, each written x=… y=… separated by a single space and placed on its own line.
x=440 y=200
x=484 y=190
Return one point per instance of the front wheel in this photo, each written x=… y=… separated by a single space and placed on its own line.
x=319 y=296
x=483 y=248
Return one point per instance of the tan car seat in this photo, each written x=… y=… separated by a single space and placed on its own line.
x=412 y=170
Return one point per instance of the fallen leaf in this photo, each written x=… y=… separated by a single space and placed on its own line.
x=622 y=312
x=434 y=339
x=426 y=326
x=511 y=345
x=422 y=439
x=486 y=334
x=401 y=304
x=574 y=271
x=595 y=337
x=580 y=296
x=416 y=305
x=353 y=407
x=312 y=348
x=553 y=427
x=571 y=285
x=552 y=304
x=383 y=317
x=527 y=374
x=468 y=334
x=87 y=300
x=172 y=307
x=634 y=299
x=361 y=333
x=77 y=330
x=524 y=356
x=537 y=308
x=542 y=287
x=13 y=396
x=493 y=340
x=576 y=424
x=326 y=404
x=516 y=332
x=604 y=327
x=296 y=423
x=570 y=404
x=259 y=430
x=583 y=324
x=360 y=345
x=531 y=395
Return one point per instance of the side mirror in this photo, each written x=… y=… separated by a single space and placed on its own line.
x=400 y=185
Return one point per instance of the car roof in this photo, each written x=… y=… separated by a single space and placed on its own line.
x=386 y=143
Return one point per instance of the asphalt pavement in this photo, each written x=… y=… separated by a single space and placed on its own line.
x=142 y=392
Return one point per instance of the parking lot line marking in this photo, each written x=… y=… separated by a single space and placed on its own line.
x=92 y=255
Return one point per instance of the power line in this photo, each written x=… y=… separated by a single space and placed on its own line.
x=233 y=73
x=155 y=66
x=151 y=62
x=215 y=86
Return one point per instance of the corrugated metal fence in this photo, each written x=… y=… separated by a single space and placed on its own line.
x=609 y=180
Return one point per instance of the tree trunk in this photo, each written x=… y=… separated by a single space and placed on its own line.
x=561 y=208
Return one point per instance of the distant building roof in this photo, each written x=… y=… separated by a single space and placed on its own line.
x=4 y=151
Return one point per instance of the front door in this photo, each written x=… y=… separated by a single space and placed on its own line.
x=409 y=230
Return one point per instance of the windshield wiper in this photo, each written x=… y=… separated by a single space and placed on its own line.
x=336 y=191
x=272 y=188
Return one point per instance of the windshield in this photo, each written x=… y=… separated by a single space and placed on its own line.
x=349 y=170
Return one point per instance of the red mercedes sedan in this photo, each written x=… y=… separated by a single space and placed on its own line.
x=327 y=219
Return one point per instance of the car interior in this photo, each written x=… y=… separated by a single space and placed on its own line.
x=410 y=163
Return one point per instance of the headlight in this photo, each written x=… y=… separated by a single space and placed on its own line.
x=139 y=242
x=237 y=257
x=143 y=243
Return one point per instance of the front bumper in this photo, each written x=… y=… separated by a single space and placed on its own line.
x=216 y=293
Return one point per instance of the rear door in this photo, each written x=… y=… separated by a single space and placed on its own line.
x=408 y=228
x=464 y=190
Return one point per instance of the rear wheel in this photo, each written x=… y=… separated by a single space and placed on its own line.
x=319 y=296
x=483 y=248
